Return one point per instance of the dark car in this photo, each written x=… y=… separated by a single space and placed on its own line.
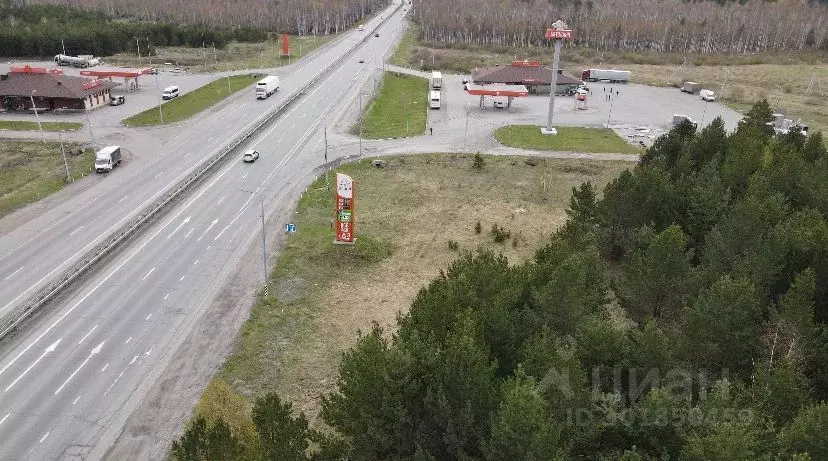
x=361 y=61
x=376 y=35
x=117 y=100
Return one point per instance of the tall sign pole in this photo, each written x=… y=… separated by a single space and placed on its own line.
x=558 y=32
x=344 y=209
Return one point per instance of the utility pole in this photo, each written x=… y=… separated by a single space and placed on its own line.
x=466 y=131
x=39 y=126
x=215 y=56
x=158 y=95
x=63 y=152
x=706 y=102
x=227 y=68
x=264 y=240
x=139 y=51
x=261 y=60
x=89 y=122
x=327 y=183
x=360 y=124
x=63 y=46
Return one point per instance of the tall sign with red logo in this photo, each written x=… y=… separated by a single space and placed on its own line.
x=344 y=209
x=285 y=45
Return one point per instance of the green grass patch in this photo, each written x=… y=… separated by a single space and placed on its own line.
x=189 y=104
x=568 y=139
x=21 y=125
x=399 y=110
x=402 y=55
x=31 y=170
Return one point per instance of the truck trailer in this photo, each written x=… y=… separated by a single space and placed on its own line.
x=436 y=80
x=267 y=86
x=614 y=76
x=691 y=87
x=76 y=61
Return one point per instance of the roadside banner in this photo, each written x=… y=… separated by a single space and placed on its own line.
x=285 y=46
x=344 y=200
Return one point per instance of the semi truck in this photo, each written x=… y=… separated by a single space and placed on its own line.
x=436 y=80
x=613 y=75
x=434 y=100
x=76 y=61
x=691 y=87
x=107 y=158
x=267 y=86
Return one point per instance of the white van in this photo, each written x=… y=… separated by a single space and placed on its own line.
x=434 y=100
x=107 y=158
x=708 y=95
x=361 y=27
x=169 y=93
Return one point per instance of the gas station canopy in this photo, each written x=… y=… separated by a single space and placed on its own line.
x=498 y=89
x=125 y=73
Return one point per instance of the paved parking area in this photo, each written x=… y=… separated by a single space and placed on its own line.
x=636 y=112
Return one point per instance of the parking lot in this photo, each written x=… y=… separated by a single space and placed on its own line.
x=636 y=112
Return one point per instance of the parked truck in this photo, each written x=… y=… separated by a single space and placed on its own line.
x=434 y=100
x=107 y=158
x=76 y=61
x=691 y=87
x=613 y=75
x=708 y=95
x=436 y=80
x=267 y=86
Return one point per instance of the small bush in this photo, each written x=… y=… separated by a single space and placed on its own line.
x=453 y=245
x=478 y=228
x=500 y=234
x=479 y=162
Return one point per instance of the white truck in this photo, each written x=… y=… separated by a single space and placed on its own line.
x=691 y=87
x=107 y=158
x=679 y=118
x=267 y=86
x=613 y=75
x=436 y=80
x=708 y=95
x=76 y=61
x=434 y=100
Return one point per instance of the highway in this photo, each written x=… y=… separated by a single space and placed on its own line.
x=63 y=382
x=35 y=253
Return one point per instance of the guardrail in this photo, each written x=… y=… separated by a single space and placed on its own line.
x=153 y=210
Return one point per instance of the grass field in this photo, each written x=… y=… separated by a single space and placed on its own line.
x=31 y=170
x=400 y=109
x=406 y=214
x=22 y=125
x=740 y=80
x=236 y=56
x=189 y=104
x=568 y=139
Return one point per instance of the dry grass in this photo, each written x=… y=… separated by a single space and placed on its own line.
x=236 y=56
x=750 y=77
x=412 y=209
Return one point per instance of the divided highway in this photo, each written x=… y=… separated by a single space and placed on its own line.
x=63 y=384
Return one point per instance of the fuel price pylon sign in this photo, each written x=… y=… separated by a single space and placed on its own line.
x=344 y=209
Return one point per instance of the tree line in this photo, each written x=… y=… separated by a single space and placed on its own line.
x=297 y=17
x=44 y=30
x=682 y=314
x=629 y=25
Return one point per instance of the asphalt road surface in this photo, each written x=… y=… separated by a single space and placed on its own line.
x=62 y=384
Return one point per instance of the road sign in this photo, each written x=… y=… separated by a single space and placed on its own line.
x=290 y=228
x=558 y=34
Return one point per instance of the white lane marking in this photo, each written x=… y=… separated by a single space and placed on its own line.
x=44 y=437
x=147 y=353
x=13 y=273
x=209 y=227
x=148 y=274
x=220 y=200
x=196 y=262
x=166 y=296
x=190 y=232
x=292 y=125
x=278 y=140
x=94 y=351
x=245 y=175
x=122 y=198
x=75 y=231
x=179 y=226
x=76 y=399
x=209 y=246
x=128 y=340
x=209 y=140
x=49 y=349
x=105 y=367
x=5 y=417
x=148 y=317
x=157 y=175
x=131 y=362
x=87 y=335
x=182 y=278
x=304 y=115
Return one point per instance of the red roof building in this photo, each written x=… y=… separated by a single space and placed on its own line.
x=536 y=77
x=51 y=90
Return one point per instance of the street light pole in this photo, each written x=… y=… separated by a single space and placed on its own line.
x=89 y=123
x=360 y=124
x=63 y=152
x=264 y=239
x=706 y=102
x=466 y=130
x=139 y=51
x=158 y=95
x=39 y=126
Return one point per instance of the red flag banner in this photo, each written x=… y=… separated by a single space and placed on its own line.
x=285 y=45
x=344 y=209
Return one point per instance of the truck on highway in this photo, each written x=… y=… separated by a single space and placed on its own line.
x=76 y=61
x=434 y=100
x=267 y=86
x=107 y=158
x=613 y=75
x=691 y=87
x=436 y=80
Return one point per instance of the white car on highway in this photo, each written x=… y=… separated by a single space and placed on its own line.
x=250 y=156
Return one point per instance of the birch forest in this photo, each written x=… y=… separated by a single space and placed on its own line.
x=629 y=25
x=296 y=17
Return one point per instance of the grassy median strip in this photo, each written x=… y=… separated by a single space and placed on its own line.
x=413 y=218
x=189 y=104
x=22 y=125
x=597 y=140
x=399 y=110
x=31 y=170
